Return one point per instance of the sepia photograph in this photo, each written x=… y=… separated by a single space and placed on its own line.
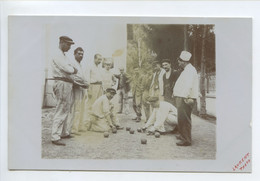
x=143 y=91
x=128 y=93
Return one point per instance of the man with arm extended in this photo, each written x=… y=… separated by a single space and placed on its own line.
x=163 y=118
x=102 y=113
x=80 y=83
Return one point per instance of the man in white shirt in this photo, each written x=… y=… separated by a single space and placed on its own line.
x=108 y=78
x=102 y=114
x=95 y=88
x=77 y=123
x=185 y=92
x=163 y=118
x=62 y=88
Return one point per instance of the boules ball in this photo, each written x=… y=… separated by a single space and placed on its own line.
x=128 y=128
x=139 y=130
x=114 y=130
x=157 y=135
x=106 y=134
x=132 y=131
x=143 y=141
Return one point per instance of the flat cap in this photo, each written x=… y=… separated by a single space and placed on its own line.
x=66 y=39
x=166 y=60
x=111 y=90
x=152 y=99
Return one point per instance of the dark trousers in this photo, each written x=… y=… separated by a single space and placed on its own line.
x=137 y=104
x=184 y=119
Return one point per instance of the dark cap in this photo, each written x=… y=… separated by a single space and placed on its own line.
x=66 y=39
x=166 y=60
x=152 y=99
x=111 y=90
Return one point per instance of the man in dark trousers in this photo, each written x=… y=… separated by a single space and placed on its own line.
x=185 y=92
x=137 y=90
x=123 y=88
x=169 y=79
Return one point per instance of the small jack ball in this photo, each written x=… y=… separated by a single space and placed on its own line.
x=139 y=130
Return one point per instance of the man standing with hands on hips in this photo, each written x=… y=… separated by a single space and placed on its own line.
x=185 y=92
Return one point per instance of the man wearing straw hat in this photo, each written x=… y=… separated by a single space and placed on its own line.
x=185 y=92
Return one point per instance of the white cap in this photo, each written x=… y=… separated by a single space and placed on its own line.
x=185 y=56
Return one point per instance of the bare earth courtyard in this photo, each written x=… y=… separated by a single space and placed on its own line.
x=123 y=145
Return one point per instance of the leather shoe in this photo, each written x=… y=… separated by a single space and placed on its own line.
x=134 y=118
x=67 y=137
x=58 y=142
x=183 y=143
x=179 y=137
x=138 y=120
x=77 y=134
x=119 y=127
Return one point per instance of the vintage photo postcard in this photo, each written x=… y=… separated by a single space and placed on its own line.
x=130 y=93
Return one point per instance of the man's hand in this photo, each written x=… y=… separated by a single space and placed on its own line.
x=112 y=127
x=189 y=101
x=75 y=70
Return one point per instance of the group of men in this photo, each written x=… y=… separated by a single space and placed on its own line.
x=170 y=94
x=83 y=101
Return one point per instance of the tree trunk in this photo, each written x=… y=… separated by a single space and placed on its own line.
x=185 y=38
x=203 y=110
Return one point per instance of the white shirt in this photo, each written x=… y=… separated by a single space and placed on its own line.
x=160 y=78
x=80 y=74
x=95 y=74
x=187 y=85
x=108 y=79
x=61 y=66
x=159 y=116
x=101 y=106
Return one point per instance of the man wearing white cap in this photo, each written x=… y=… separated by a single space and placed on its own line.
x=185 y=92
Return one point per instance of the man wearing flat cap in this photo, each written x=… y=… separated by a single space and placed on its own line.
x=185 y=92
x=102 y=114
x=62 y=88
x=163 y=118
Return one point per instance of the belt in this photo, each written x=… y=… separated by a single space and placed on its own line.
x=63 y=79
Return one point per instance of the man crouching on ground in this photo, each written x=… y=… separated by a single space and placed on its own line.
x=102 y=117
x=163 y=118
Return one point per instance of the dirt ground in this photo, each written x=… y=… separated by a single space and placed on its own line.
x=123 y=145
